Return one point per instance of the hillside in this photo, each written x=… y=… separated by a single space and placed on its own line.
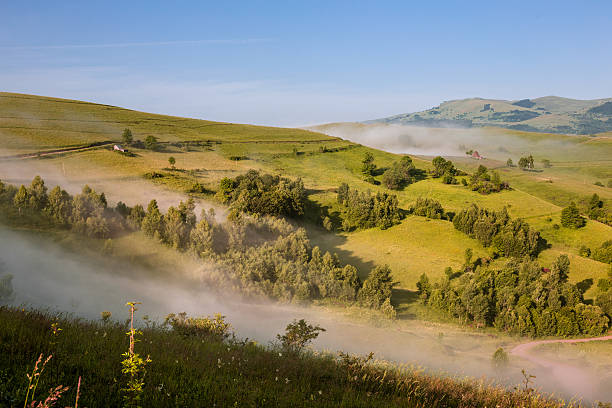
x=206 y=152
x=550 y=114
x=203 y=370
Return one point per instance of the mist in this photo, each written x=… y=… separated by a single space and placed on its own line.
x=491 y=143
x=48 y=276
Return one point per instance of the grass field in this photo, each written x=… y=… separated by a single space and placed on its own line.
x=31 y=123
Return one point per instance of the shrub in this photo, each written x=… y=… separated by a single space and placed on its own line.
x=297 y=335
x=500 y=359
x=206 y=327
x=603 y=253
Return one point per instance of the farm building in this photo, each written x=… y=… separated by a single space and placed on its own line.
x=476 y=156
x=119 y=148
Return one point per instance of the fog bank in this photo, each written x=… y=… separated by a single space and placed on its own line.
x=47 y=276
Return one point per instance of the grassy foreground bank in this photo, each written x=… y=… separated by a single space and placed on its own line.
x=203 y=372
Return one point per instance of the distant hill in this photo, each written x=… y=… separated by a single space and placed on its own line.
x=551 y=114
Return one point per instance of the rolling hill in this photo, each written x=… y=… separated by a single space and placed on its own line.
x=550 y=114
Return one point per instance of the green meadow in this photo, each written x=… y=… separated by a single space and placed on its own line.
x=417 y=245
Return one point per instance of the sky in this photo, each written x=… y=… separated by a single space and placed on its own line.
x=291 y=63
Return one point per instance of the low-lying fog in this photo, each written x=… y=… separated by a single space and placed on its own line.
x=492 y=143
x=48 y=276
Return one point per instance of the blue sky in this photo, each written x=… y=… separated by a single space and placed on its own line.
x=296 y=63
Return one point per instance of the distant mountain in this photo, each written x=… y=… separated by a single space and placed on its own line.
x=551 y=114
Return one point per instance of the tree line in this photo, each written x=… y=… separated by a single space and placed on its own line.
x=521 y=298
x=258 y=255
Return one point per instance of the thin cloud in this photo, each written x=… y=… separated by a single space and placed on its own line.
x=138 y=44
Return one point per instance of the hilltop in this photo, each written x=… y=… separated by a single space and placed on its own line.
x=550 y=114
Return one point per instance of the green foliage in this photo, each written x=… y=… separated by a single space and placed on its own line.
x=603 y=253
x=126 y=137
x=297 y=335
x=509 y=163
x=513 y=238
x=364 y=210
x=254 y=193
x=428 y=207
x=133 y=367
x=215 y=328
x=21 y=199
x=189 y=371
x=400 y=174
x=486 y=183
x=171 y=161
x=377 y=287
x=367 y=165
x=424 y=287
x=526 y=162
x=520 y=298
x=584 y=251
x=151 y=143
x=500 y=359
x=153 y=221
x=571 y=218
x=442 y=167
x=597 y=211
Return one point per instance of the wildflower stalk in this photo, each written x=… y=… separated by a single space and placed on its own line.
x=133 y=365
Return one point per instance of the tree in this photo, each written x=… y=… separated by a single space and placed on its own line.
x=546 y=163
x=343 y=192
x=37 y=194
x=21 y=199
x=377 y=287
x=526 y=162
x=172 y=161
x=151 y=143
x=60 y=205
x=499 y=359
x=153 y=222
x=297 y=335
x=423 y=287
x=367 y=164
x=442 y=166
x=126 y=137
x=571 y=218
x=509 y=163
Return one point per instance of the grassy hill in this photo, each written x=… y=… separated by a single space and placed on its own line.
x=547 y=114
x=29 y=124
x=201 y=370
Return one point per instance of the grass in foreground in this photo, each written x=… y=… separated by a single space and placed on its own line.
x=196 y=371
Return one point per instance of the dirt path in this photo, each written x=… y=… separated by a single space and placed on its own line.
x=578 y=380
x=56 y=151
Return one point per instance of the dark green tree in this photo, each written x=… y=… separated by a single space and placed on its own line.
x=367 y=164
x=151 y=143
x=127 y=138
x=571 y=218
x=377 y=287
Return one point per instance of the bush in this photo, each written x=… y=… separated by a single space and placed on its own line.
x=428 y=207
x=500 y=359
x=603 y=253
x=206 y=327
x=297 y=335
